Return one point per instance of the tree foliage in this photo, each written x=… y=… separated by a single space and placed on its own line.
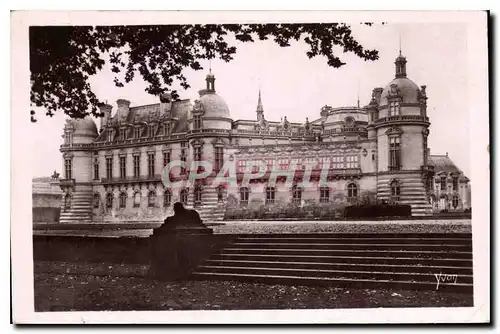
x=63 y=58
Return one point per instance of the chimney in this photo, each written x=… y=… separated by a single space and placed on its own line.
x=377 y=93
x=165 y=103
x=106 y=110
x=123 y=108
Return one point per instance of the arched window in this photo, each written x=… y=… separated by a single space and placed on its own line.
x=184 y=196
x=109 y=200
x=455 y=201
x=123 y=200
x=244 y=192
x=137 y=199
x=97 y=201
x=220 y=194
x=167 y=198
x=352 y=192
x=151 y=198
x=270 y=195
x=324 y=194
x=395 y=191
x=296 y=194
x=197 y=195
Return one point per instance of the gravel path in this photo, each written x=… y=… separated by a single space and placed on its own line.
x=400 y=226
x=68 y=292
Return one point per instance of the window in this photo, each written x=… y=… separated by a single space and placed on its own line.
x=443 y=182
x=324 y=195
x=352 y=192
x=123 y=167
x=219 y=158
x=197 y=195
x=455 y=183
x=395 y=192
x=151 y=130
x=151 y=164
x=109 y=167
x=96 y=169
x=122 y=134
x=151 y=199
x=270 y=195
x=455 y=201
x=110 y=135
x=168 y=129
x=338 y=162
x=197 y=153
x=137 y=166
x=137 y=132
x=244 y=192
x=324 y=162
x=137 y=199
x=352 y=161
x=283 y=164
x=394 y=108
x=296 y=195
x=68 y=168
x=184 y=196
x=241 y=166
x=183 y=159
x=394 y=153
x=166 y=158
x=196 y=122
x=220 y=194
x=109 y=200
x=68 y=138
x=167 y=198
x=123 y=200
x=97 y=201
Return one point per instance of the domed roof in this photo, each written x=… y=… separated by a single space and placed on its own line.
x=84 y=126
x=404 y=86
x=214 y=105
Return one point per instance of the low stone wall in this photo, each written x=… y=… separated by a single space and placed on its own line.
x=46 y=214
x=112 y=250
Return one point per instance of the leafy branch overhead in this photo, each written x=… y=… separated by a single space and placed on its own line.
x=63 y=58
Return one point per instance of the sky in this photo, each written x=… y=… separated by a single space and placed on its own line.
x=295 y=86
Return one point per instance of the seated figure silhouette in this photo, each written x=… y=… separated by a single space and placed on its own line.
x=182 y=218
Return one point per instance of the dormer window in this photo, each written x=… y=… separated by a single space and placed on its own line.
x=110 y=135
x=394 y=108
x=196 y=122
x=137 y=132
x=68 y=138
x=151 y=130
x=122 y=134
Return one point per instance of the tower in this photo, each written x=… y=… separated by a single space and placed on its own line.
x=76 y=183
x=401 y=130
x=260 y=108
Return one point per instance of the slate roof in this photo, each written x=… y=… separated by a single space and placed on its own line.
x=442 y=163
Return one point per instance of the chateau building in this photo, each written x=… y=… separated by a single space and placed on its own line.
x=378 y=152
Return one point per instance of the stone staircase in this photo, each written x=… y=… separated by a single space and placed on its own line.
x=412 y=192
x=383 y=260
x=80 y=210
x=209 y=209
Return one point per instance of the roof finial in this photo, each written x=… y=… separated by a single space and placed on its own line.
x=358 y=92
x=210 y=66
x=400 y=43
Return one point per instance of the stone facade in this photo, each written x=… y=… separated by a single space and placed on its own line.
x=47 y=199
x=349 y=154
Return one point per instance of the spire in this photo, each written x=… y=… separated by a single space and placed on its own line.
x=358 y=93
x=260 y=108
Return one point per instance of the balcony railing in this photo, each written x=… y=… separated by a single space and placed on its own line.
x=399 y=118
x=66 y=182
x=132 y=179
